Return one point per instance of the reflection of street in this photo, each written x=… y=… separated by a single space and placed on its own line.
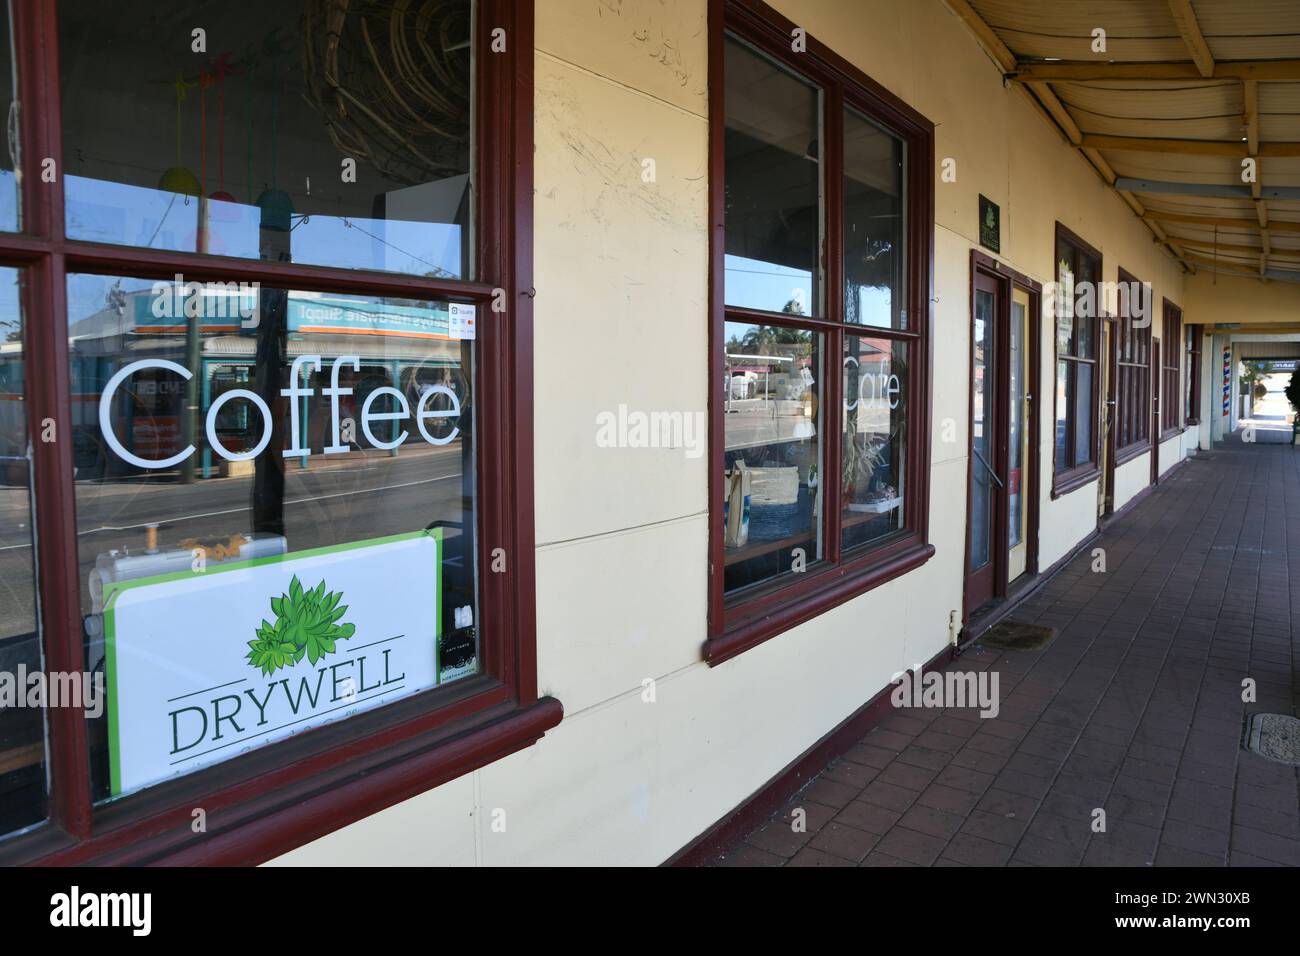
x=758 y=421
x=17 y=598
x=355 y=500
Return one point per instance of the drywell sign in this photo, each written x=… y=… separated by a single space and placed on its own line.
x=203 y=666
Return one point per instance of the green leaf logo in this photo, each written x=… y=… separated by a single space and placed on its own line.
x=306 y=625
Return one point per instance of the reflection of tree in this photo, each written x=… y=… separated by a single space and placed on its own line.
x=761 y=338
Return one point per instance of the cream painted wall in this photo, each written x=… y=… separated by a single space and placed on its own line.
x=1221 y=299
x=1131 y=478
x=1172 y=451
x=621 y=278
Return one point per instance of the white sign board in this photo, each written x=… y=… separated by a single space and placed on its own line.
x=204 y=666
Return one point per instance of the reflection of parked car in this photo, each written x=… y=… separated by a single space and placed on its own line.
x=743 y=385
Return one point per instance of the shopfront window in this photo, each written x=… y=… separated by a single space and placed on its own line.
x=1192 y=399
x=1171 y=406
x=347 y=129
x=773 y=232
x=1078 y=321
x=774 y=464
x=280 y=371
x=1132 y=409
x=824 y=324
x=875 y=225
x=875 y=439
x=237 y=448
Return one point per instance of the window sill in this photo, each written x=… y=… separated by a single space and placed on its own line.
x=1136 y=450
x=1191 y=421
x=1069 y=481
x=1170 y=433
x=259 y=820
x=828 y=589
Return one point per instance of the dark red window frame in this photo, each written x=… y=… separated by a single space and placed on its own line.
x=735 y=626
x=1065 y=480
x=267 y=802
x=1132 y=377
x=1171 y=351
x=1195 y=343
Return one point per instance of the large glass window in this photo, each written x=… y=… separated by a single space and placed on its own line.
x=256 y=498
x=1192 y=345
x=773 y=485
x=232 y=441
x=875 y=419
x=344 y=128
x=1132 y=329
x=1078 y=310
x=875 y=253
x=1171 y=405
x=823 y=329
x=774 y=186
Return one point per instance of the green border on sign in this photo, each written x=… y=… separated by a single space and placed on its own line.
x=111 y=592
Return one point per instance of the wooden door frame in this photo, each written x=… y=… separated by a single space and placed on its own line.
x=1008 y=280
x=1156 y=390
x=1109 y=413
x=995 y=420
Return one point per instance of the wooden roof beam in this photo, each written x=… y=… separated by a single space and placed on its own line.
x=989 y=40
x=1281 y=275
x=1027 y=71
x=1218 y=264
x=1237 y=149
x=1250 y=106
x=1222 y=221
x=1239 y=247
x=1185 y=17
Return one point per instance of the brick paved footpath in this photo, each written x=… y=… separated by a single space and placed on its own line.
x=1134 y=707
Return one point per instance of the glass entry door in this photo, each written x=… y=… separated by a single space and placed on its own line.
x=987 y=499
x=1002 y=514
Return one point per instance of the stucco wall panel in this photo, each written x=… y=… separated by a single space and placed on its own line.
x=621 y=273
x=618 y=609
